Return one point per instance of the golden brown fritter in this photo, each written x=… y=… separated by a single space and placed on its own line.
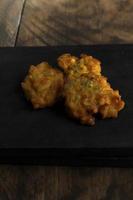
x=67 y=61
x=90 y=94
x=43 y=85
x=74 y=66
x=86 y=91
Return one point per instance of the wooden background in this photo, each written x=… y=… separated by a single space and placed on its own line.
x=64 y=22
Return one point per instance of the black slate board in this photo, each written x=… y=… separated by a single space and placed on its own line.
x=49 y=136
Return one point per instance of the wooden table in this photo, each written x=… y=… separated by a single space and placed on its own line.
x=65 y=22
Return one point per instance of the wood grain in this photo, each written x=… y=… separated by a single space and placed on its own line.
x=60 y=22
x=65 y=183
x=117 y=23
x=72 y=22
x=10 y=15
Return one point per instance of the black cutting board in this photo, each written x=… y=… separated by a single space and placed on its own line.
x=49 y=136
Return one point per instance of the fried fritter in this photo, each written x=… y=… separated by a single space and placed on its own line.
x=73 y=66
x=90 y=94
x=86 y=91
x=43 y=85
